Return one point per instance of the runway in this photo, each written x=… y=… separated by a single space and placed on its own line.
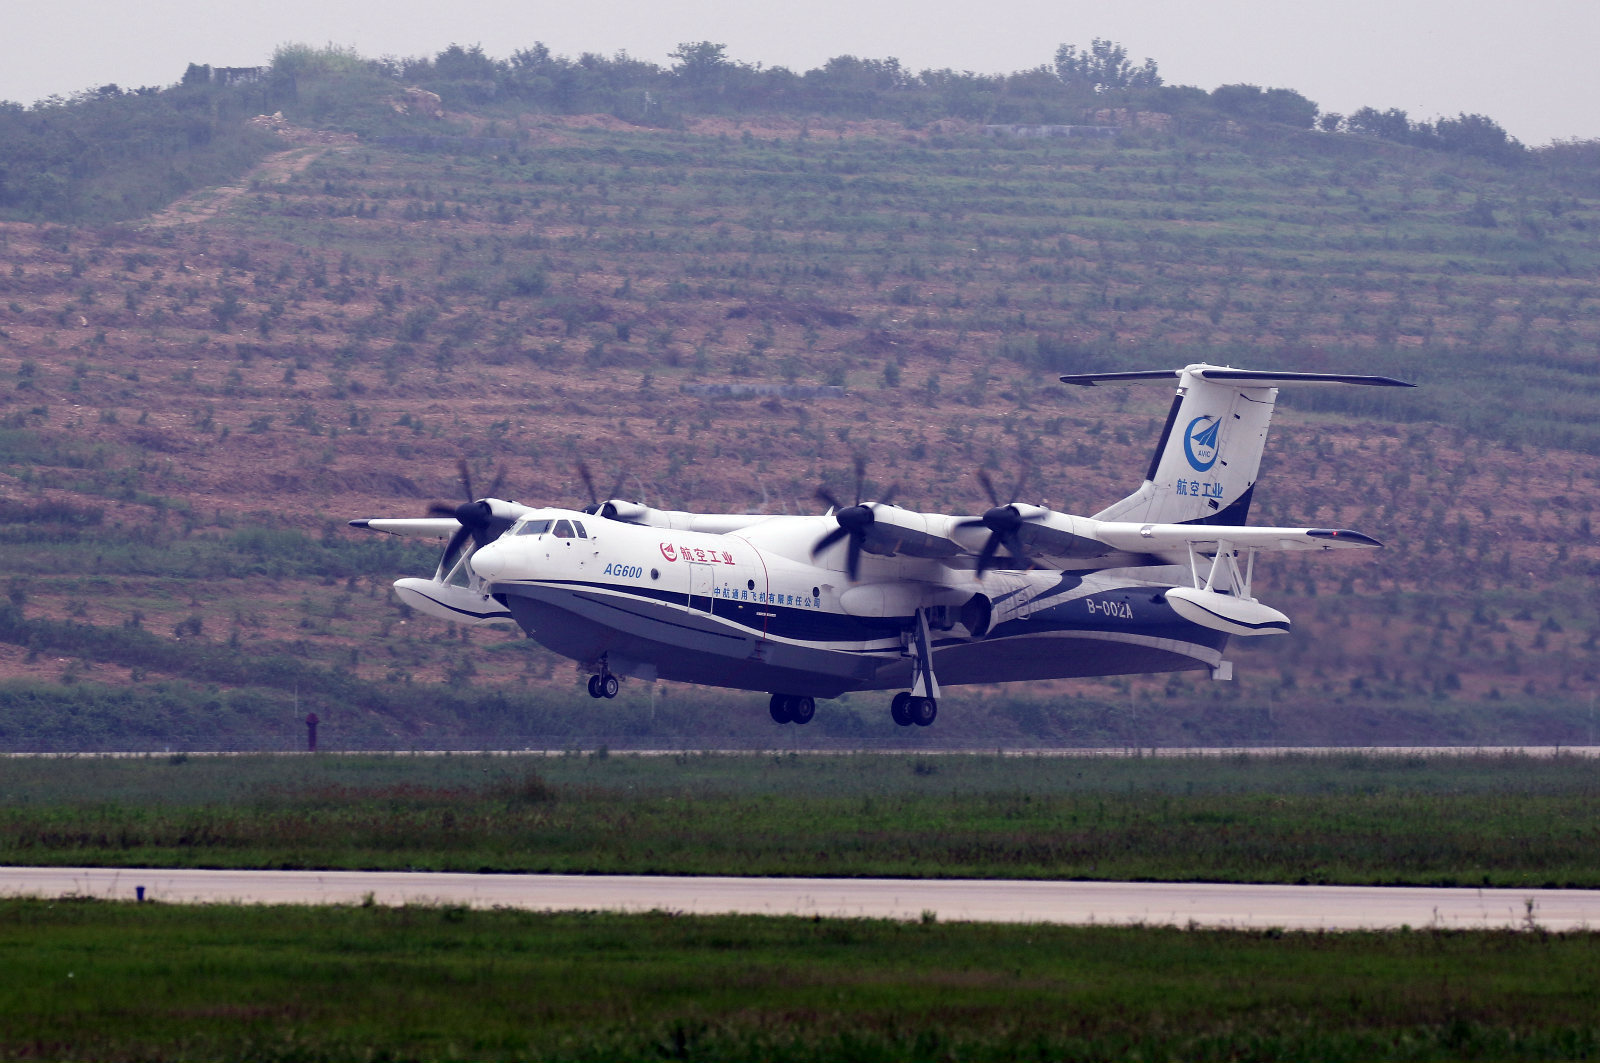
x=958 y=900
x=619 y=747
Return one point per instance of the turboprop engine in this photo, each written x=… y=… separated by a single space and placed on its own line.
x=950 y=605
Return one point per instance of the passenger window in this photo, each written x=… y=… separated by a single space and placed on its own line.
x=534 y=527
x=563 y=529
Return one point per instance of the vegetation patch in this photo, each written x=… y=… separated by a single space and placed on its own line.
x=1486 y=820
x=125 y=981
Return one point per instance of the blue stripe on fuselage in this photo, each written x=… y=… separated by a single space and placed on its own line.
x=1135 y=610
x=798 y=623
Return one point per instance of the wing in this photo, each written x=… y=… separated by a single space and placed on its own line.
x=415 y=527
x=1044 y=538
x=1207 y=538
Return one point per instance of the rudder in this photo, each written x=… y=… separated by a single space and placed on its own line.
x=1205 y=465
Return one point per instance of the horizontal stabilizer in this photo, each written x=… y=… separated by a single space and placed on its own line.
x=1250 y=378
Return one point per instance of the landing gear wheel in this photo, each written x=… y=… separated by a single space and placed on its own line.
x=779 y=708
x=900 y=708
x=609 y=686
x=595 y=690
x=802 y=709
x=923 y=711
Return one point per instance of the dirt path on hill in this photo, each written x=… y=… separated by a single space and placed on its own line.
x=275 y=169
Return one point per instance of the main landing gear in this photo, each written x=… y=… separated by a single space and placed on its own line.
x=920 y=704
x=907 y=709
x=792 y=708
x=603 y=684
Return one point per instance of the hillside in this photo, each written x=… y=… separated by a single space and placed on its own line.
x=201 y=397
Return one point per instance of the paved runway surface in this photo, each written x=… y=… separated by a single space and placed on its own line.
x=1201 y=904
x=820 y=747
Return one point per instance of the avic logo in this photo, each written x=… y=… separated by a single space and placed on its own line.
x=668 y=552
x=1200 y=442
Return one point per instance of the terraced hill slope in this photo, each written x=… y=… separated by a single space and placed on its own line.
x=195 y=408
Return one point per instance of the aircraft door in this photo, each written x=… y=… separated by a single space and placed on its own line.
x=741 y=587
x=700 y=576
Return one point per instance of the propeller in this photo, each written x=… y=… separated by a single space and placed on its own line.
x=1004 y=524
x=604 y=509
x=855 y=522
x=475 y=515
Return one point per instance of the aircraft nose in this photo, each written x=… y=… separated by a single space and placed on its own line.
x=490 y=561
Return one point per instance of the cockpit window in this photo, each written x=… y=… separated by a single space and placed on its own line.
x=563 y=529
x=533 y=527
x=578 y=524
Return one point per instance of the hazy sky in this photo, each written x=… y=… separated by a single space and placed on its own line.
x=1533 y=66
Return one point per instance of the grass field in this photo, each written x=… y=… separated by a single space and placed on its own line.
x=1491 y=820
x=124 y=981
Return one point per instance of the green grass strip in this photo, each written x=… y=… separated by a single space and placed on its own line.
x=126 y=981
x=1489 y=820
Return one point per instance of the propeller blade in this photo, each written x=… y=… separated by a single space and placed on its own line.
x=495 y=485
x=588 y=485
x=828 y=540
x=988 y=488
x=854 y=521
x=475 y=516
x=1013 y=543
x=986 y=556
x=1002 y=520
x=452 y=549
x=1022 y=483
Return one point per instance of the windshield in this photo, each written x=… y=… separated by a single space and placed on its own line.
x=533 y=527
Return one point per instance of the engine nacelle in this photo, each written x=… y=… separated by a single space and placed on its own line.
x=1060 y=535
x=907 y=533
x=507 y=513
x=676 y=519
x=631 y=512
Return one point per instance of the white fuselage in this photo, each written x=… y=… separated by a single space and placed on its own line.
x=749 y=608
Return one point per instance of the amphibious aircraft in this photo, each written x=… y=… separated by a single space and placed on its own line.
x=872 y=596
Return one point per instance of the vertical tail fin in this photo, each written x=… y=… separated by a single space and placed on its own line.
x=1205 y=465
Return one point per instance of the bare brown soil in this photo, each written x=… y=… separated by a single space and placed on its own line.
x=275 y=169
